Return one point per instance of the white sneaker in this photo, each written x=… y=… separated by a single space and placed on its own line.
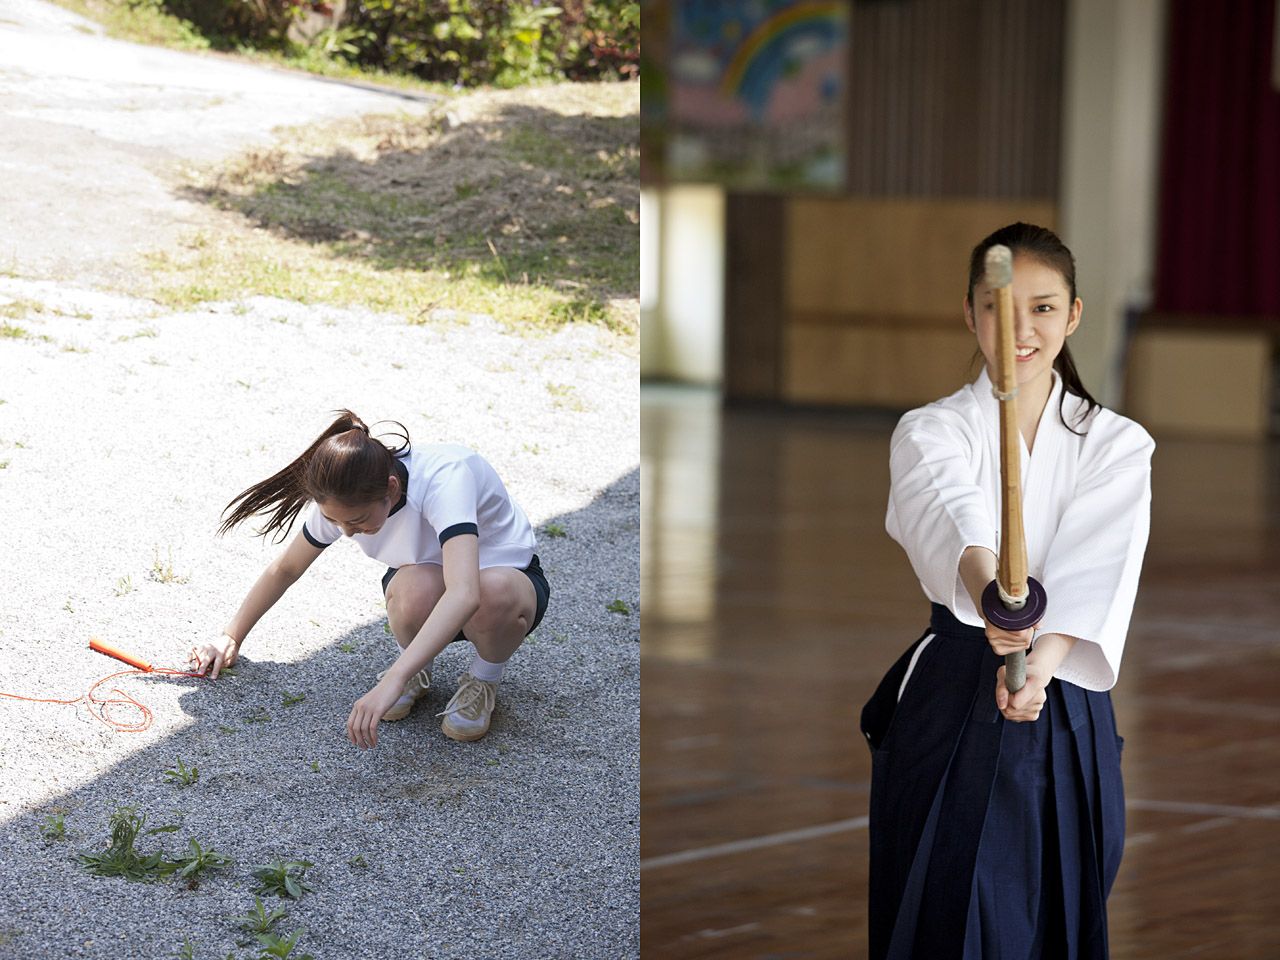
x=415 y=688
x=467 y=715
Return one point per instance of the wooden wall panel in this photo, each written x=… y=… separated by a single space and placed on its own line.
x=1200 y=383
x=876 y=366
x=899 y=257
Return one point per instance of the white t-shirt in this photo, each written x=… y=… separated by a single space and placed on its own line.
x=1086 y=504
x=449 y=490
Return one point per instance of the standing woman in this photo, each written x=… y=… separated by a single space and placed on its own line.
x=460 y=562
x=997 y=820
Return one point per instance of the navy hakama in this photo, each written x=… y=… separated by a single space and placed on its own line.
x=990 y=840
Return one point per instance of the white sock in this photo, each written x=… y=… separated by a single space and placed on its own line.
x=482 y=669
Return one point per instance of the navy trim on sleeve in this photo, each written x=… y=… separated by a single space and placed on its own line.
x=312 y=540
x=457 y=530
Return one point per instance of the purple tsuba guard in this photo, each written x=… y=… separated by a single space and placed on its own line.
x=1001 y=616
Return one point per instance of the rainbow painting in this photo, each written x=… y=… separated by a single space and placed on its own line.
x=756 y=93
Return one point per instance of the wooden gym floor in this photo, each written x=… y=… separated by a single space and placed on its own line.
x=773 y=602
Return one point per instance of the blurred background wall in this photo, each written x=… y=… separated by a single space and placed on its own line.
x=1146 y=132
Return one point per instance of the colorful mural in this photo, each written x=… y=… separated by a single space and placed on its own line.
x=755 y=93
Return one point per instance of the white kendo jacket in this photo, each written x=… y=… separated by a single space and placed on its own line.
x=1086 y=503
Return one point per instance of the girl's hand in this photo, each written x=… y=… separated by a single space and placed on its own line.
x=362 y=724
x=1026 y=704
x=1005 y=642
x=217 y=654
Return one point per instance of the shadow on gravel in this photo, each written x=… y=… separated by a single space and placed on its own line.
x=522 y=844
x=526 y=196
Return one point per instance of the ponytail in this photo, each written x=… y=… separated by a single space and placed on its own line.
x=345 y=463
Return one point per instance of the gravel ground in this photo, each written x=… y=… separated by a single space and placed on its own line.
x=123 y=433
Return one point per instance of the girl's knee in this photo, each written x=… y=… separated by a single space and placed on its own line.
x=413 y=593
x=500 y=609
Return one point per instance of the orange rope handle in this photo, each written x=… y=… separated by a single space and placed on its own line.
x=99 y=705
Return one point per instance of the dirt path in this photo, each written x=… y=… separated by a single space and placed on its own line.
x=96 y=132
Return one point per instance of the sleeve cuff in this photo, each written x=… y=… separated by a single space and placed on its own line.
x=457 y=530
x=312 y=540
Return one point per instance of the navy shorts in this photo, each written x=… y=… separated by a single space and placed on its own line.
x=541 y=590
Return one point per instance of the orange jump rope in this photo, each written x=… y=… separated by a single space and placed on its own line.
x=98 y=705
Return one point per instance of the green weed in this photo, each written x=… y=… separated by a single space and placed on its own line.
x=347 y=646
x=258 y=920
x=124 y=586
x=281 y=948
x=121 y=858
x=259 y=715
x=284 y=878
x=54 y=828
x=555 y=530
x=289 y=699
x=182 y=775
x=192 y=864
x=619 y=606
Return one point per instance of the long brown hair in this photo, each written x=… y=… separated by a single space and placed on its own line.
x=345 y=463
x=1043 y=245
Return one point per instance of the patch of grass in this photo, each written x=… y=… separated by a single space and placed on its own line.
x=4 y=464
x=20 y=309
x=259 y=715
x=358 y=862
x=565 y=397
x=54 y=828
x=145 y=332
x=554 y=530
x=187 y=951
x=141 y=22
x=290 y=699
x=258 y=920
x=283 y=878
x=124 y=585
x=121 y=858
x=163 y=572
x=347 y=216
x=619 y=606
x=347 y=646
x=183 y=775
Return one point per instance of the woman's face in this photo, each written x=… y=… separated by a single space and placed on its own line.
x=365 y=518
x=1043 y=317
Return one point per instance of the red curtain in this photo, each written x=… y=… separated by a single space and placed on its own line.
x=1219 y=232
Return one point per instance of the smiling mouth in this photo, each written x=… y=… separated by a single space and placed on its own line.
x=1026 y=353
